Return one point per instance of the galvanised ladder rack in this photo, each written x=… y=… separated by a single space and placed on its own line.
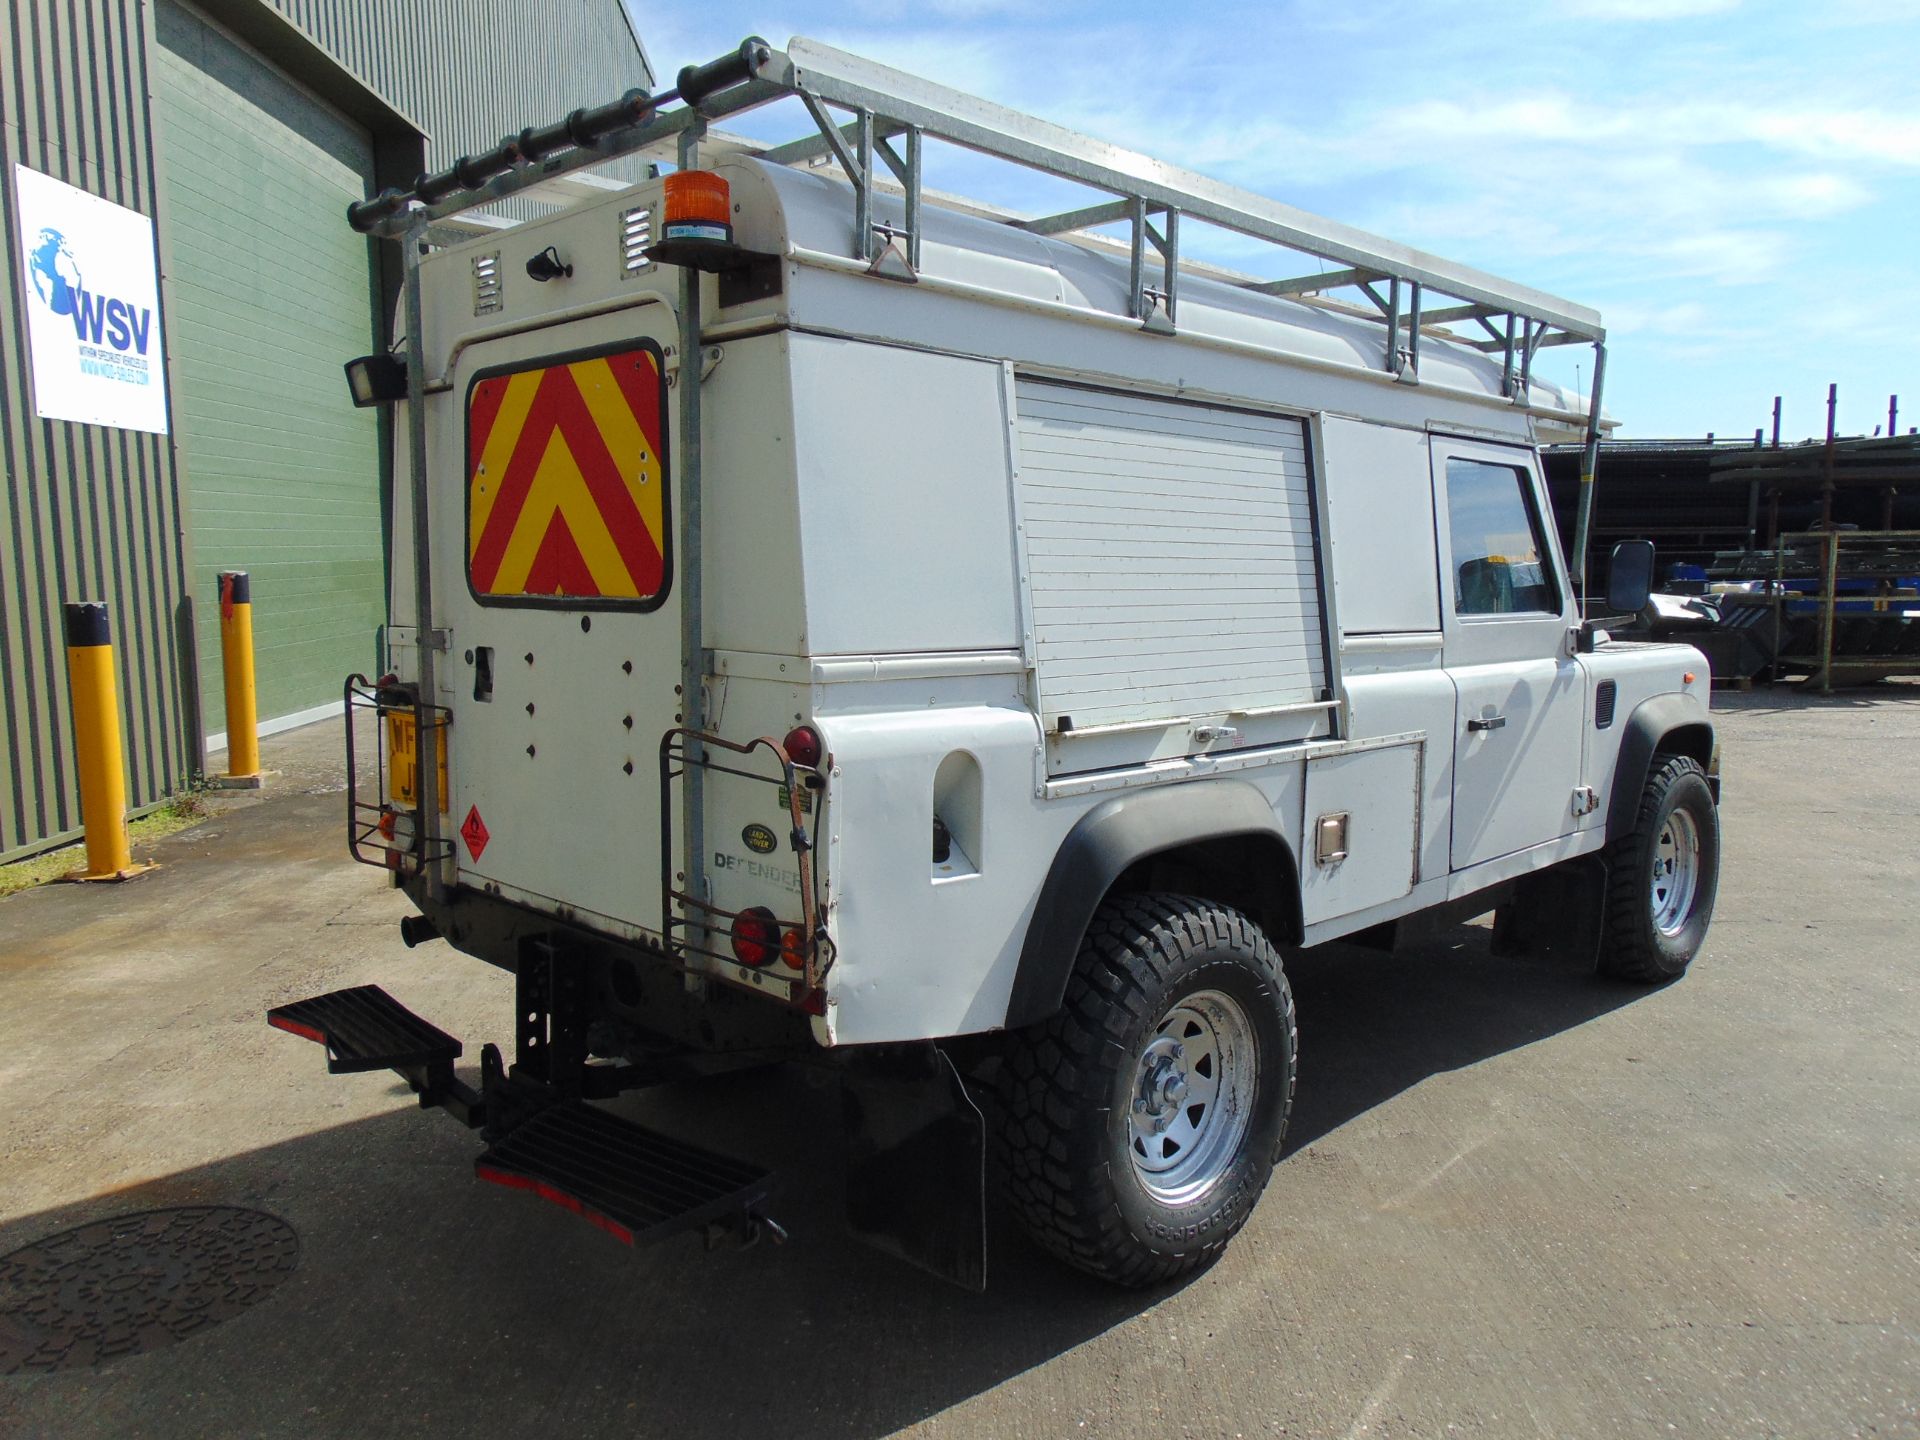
x=893 y=114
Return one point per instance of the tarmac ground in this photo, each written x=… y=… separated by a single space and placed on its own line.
x=1517 y=1200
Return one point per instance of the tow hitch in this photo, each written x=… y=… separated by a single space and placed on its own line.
x=543 y=1136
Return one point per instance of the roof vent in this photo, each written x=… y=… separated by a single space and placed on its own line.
x=487 y=283
x=636 y=234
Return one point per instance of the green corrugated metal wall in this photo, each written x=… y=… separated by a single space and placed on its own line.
x=472 y=70
x=271 y=294
x=89 y=512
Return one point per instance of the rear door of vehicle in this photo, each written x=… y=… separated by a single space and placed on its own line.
x=565 y=643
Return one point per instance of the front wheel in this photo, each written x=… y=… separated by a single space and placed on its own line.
x=1664 y=875
x=1143 y=1121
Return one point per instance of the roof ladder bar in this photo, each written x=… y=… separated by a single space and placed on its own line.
x=1531 y=342
x=863 y=187
x=857 y=162
x=1314 y=284
x=1393 y=325
x=1164 y=302
x=1137 y=258
x=813 y=147
x=1411 y=370
x=1078 y=219
x=1449 y=314
x=906 y=169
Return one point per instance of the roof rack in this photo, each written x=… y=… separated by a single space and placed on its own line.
x=893 y=113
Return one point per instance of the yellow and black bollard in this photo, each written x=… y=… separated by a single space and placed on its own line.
x=236 y=663
x=97 y=744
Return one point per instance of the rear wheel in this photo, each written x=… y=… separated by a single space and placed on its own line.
x=1664 y=876
x=1142 y=1121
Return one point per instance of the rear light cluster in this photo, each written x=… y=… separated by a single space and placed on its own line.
x=396 y=828
x=758 y=938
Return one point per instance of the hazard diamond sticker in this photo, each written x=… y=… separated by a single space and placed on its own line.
x=473 y=830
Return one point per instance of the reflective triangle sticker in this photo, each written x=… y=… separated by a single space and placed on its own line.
x=473 y=830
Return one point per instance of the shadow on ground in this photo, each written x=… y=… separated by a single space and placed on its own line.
x=426 y=1302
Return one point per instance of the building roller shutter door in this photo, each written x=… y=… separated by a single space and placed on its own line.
x=270 y=293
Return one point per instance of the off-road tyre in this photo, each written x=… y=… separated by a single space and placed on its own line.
x=1634 y=946
x=1068 y=1087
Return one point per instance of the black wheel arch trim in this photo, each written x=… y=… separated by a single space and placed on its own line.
x=1119 y=833
x=1674 y=724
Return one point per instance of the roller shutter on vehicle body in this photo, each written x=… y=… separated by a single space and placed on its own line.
x=1170 y=558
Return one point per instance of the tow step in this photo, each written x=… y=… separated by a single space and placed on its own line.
x=364 y=1028
x=632 y=1182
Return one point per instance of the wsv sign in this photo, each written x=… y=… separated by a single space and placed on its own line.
x=94 y=331
x=124 y=328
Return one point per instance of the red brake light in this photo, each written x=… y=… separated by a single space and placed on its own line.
x=803 y=746
x=756 y=935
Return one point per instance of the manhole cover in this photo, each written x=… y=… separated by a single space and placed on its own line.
x=136 y=1283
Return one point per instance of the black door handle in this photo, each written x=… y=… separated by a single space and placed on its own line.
x=1487 y=722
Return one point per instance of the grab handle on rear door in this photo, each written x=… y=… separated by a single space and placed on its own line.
x=1487 y=722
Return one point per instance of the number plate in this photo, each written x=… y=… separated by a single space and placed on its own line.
x=403 y=760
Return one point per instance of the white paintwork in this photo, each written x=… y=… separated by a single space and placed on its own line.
x=1379 y=792
x=903 y=492
x=1384 y=574
x=940 y=515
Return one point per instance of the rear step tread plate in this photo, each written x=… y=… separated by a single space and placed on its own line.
x=364 y=1028
x=636 y=1184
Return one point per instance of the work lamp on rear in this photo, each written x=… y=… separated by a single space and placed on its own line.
x=377 y=379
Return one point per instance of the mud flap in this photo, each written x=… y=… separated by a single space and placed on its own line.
x=1557 y=914
x=916 y=1164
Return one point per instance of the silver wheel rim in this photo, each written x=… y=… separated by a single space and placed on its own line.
x=1676 y=873
x=1192 y=1097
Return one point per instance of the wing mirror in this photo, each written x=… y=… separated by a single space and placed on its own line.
x=1630 y=579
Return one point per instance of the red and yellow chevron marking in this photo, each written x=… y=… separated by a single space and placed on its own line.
x=566 y=494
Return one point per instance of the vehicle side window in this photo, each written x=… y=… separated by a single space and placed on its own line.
x=1500 y=564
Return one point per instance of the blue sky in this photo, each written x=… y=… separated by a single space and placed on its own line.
x=1734 y=184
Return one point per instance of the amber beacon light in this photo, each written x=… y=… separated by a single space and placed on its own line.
x=698 y=206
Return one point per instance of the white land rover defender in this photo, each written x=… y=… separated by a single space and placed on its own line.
x=968 y=650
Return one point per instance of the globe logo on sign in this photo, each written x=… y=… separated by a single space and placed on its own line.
x=56 y=274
